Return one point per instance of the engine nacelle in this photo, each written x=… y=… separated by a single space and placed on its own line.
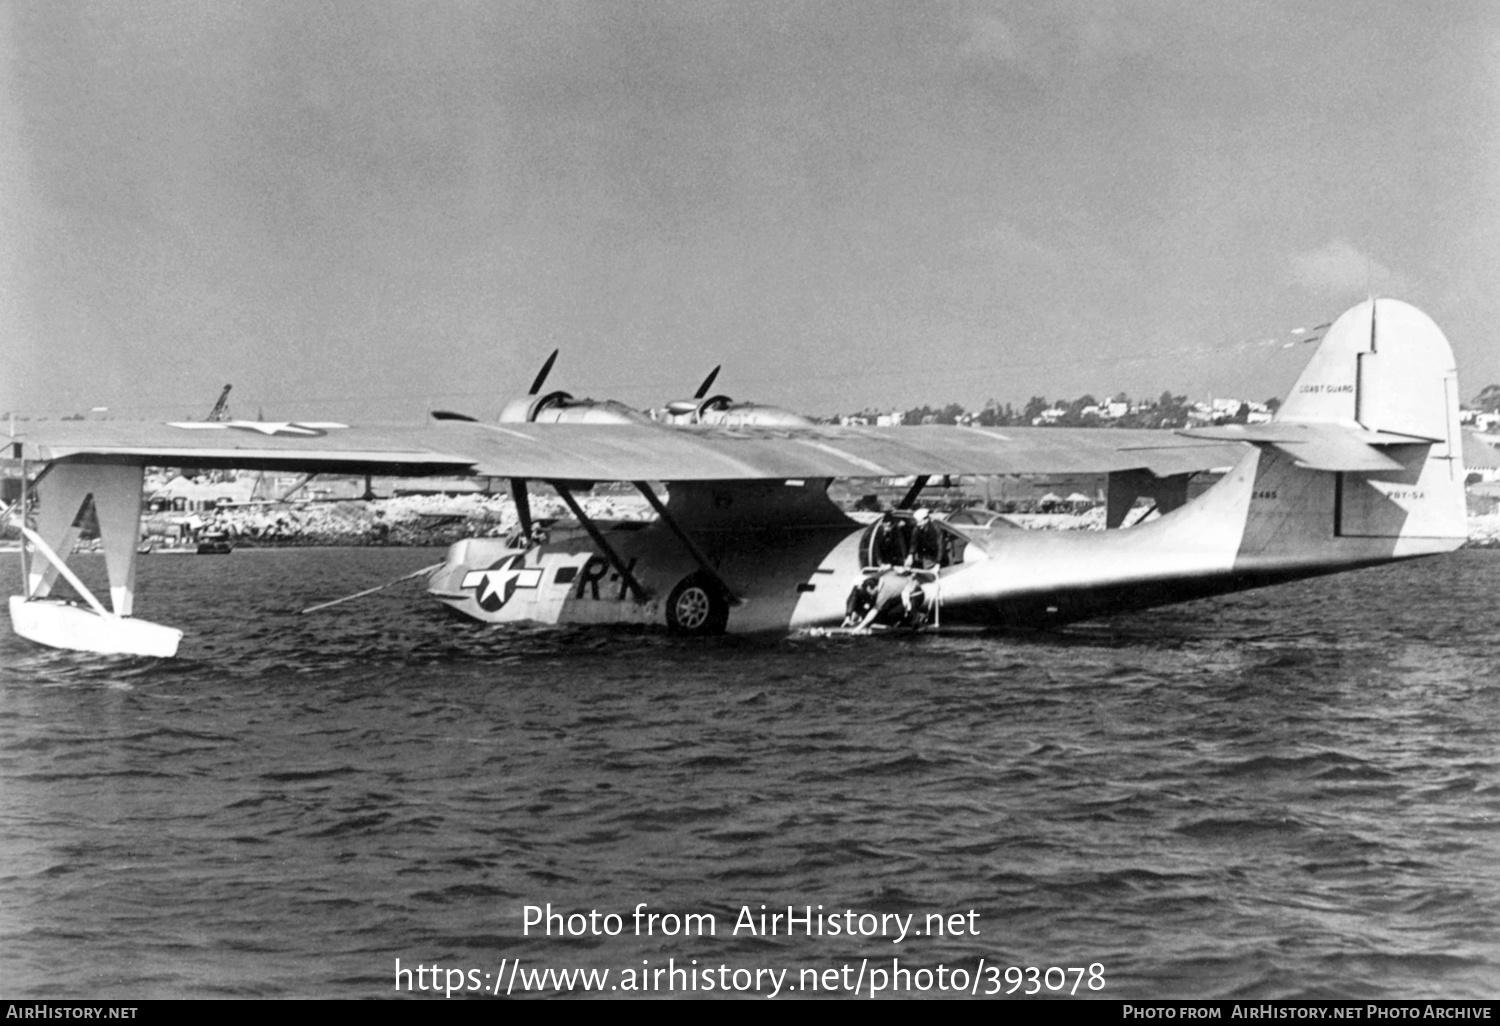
x=562 y=408
x=722 y=411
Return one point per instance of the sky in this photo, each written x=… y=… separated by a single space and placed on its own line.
x=368 y=210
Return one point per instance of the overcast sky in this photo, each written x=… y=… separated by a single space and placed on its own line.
x=364 y=209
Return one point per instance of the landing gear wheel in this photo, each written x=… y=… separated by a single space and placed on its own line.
x=697 y=606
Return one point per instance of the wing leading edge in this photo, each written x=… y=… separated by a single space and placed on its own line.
x=309 y=447
x=625 y=452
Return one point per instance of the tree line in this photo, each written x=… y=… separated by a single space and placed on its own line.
x=1167 y=411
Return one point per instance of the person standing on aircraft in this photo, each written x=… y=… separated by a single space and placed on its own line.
x=892 y=544
x=925 y=548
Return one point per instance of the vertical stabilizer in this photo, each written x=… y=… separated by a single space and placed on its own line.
x=1382 y=366
x=1385 y=373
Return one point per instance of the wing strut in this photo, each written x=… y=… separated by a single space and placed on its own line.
x=294 y=489
x=609 y=553
x=687 y=542
x=523 y=507
x=910 y=498
x=24 y=503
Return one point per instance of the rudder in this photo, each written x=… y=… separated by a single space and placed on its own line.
x=1385 y=367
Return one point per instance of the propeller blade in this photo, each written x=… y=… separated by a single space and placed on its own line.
x=450 y=415
x=707 y=383
x=536 y=386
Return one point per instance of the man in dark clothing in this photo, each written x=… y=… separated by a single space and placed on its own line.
x=926 y=547
x=892 y=598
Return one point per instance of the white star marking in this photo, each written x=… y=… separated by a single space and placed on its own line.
x=265 y=427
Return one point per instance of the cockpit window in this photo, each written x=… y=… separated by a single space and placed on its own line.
x=978 y=516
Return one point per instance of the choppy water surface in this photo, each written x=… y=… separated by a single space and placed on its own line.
x=1293 y=792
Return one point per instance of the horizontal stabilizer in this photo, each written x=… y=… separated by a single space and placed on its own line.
x=1330 y=447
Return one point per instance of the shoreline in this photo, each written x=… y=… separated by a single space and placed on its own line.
x=432 y=521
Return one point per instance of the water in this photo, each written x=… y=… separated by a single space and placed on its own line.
x=1288 y=793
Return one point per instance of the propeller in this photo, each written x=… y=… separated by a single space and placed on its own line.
x=518 y=490
x=687 y=407
x=536 y=386
x=703 y=388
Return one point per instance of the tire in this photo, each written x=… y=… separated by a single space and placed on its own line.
x=697 y=606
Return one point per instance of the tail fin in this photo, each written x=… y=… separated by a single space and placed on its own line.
x=1383 y=366
x=1363 y=462
x=1380 y=395
x=1360 y=467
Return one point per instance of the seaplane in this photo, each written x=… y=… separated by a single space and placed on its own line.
x=1362 y=465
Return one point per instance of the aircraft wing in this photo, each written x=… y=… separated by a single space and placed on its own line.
x=310 y=447
x=646 y=452
x=623 y=452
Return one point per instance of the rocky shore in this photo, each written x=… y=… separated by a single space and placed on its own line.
x=442 y=520
x=1484 y=531
x=407 y=520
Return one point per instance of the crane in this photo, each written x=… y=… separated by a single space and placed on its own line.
x=221 y=408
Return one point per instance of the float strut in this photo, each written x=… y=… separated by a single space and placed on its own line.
x=61 y=564
x=21 y=505
x=604 y=546
x=24 y=500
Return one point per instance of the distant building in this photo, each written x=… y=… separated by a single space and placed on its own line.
x=181 y=493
